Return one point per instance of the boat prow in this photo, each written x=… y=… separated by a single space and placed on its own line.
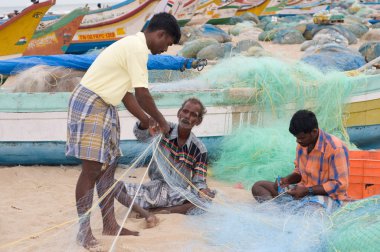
x=102 y=28
x=56 y=37
x=16 y=33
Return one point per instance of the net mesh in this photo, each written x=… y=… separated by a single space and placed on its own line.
x=259 y=152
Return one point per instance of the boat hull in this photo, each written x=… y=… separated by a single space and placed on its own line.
x=53 y=153
x=94 y=36
x=16 y=33
x=39 y=138
x=56 y=38
x=294 y=8
x=257 y=10
x=34 y=132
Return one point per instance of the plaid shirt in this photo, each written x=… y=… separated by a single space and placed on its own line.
x=327 y=165
x=190 y=159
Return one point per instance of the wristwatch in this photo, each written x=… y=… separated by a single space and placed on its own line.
x=310 y=190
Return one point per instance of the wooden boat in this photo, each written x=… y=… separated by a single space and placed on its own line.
x=212 y=12
x=55 y=38
x=27 y=120
x=102 y=27
x=196 y=12
x=305 y=4
x=297 y=7
x=273 y=7
x=16 y=33
x=374 y=4
x=253 y=6
x=183 y=11
x=363 y=120
x=26 y=136
x=293 y=2
x=303 y=8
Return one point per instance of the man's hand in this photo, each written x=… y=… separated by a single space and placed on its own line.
x=298 y=192
x=154 y=129
x=206 y=191
x=145 y=100
x=282 y=183
x=164 y=128
x=144 y=123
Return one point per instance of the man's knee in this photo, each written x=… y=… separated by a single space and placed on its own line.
x=257 y=187
x=91 y=169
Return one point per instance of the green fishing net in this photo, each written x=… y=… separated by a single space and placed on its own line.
x=276 y=89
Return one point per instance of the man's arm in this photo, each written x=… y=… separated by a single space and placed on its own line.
x=293 y=178
x=146 y=102
x=338 y=173
x=301 y=191
x=134 y=108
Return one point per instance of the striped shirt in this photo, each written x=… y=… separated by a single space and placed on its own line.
x=190 y=159
x=327 y=165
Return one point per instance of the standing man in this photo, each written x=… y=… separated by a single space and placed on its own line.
x=93 y=122
x=321 y=166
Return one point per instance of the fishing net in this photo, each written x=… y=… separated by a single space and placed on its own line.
x=62 y=236
x=43 y=79
x=163 y=76
x=356 y=226
x=264 y=227
x=225 y=223
x=290 y=226
x=276 y=90
x=253 y=153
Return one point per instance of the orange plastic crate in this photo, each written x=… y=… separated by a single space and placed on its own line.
x=364 y=179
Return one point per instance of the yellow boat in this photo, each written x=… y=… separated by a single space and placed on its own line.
x=253 y=6
x=16 y=33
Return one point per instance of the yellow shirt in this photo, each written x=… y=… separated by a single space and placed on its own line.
x=119 y=69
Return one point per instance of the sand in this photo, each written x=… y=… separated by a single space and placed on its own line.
x=39 y=197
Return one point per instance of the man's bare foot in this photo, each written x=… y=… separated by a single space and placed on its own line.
x=114 y=231
x=151 y=221
x=86 y=240
x=139 y=216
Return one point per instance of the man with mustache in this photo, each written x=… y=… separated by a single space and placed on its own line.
x=321 y=166
x=183 y=164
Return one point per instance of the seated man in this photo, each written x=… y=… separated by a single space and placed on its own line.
x=321 y=166
x=184 y=163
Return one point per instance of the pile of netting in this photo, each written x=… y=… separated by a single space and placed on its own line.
x=43 y=79
x=278 y=89
x=356 y=227
x=291 y=226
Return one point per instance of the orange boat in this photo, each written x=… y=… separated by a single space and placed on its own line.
x=56 y=38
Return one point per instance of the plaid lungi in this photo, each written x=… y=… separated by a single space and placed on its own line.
x=93 y=128
x=154 y=194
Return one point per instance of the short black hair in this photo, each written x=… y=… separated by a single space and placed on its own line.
x=196 y=101
x=168 y=23
x=303 y=121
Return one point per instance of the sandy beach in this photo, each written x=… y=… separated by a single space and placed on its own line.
x=39 y=197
